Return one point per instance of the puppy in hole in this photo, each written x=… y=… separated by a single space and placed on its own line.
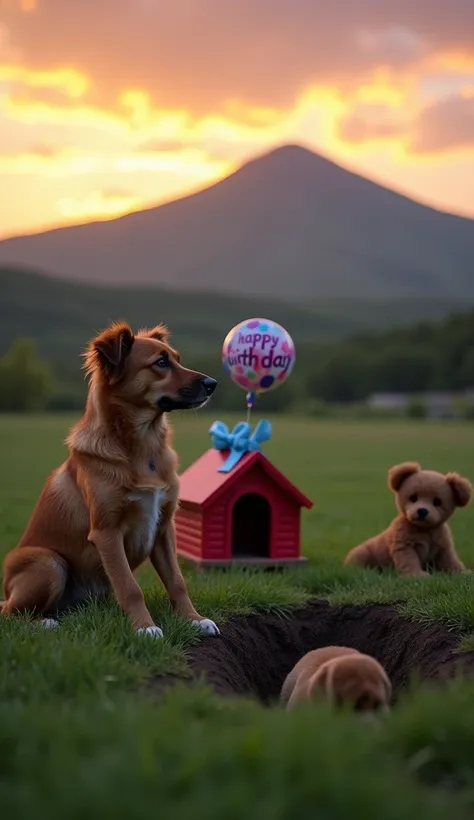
x=419 y=538
x=340 y=675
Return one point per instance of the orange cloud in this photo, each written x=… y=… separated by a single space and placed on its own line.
x=205 y=56
x=136 y=122
x=445 y=125
x=99 y=205
x=47 y=161
x=371 y=123
x=21 y=5
x=43 y=109
x=453 y=61
x=198 y=90
x=442 y=126
x=71 y=82
x=195 y=163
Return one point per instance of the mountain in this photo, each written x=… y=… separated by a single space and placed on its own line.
x=288 y=224
x=63 y=315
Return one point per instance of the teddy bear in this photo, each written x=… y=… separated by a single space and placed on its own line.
x=419 y=537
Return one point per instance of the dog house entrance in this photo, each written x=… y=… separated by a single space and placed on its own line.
x=251 y=527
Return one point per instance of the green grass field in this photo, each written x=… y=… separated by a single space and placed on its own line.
x=80 y=733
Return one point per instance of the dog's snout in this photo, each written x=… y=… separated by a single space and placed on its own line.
x=209 y=385
x=422 y=512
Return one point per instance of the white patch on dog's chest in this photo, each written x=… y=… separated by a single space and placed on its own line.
x=142 y=535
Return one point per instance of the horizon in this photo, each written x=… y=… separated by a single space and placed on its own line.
x=88 y=135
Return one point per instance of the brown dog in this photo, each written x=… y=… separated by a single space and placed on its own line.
x=419 y=536
x=341 y=675
x=110 y=505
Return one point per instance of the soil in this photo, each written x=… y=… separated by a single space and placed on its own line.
x=254 y=653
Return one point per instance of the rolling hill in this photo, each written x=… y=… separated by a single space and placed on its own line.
x=288 y=224
x=62 y=315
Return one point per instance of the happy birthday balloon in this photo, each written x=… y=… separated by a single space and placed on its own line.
x=258 y=355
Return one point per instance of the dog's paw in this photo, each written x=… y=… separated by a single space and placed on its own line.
x=48 y=623
x=207 y=626
x=153 y=631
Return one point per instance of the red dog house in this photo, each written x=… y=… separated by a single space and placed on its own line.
x=250 y=515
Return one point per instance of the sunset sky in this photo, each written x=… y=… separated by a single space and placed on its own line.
x=108 y=106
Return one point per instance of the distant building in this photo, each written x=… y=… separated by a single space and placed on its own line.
x=439 y=405
x=388 y=401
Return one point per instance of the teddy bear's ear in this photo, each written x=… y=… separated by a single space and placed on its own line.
x=461 y=487
x=398 y=474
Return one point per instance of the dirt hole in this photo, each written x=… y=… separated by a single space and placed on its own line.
x=254 y=653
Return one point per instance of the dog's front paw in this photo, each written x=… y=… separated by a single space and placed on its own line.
x=153 y=631
x=207 y=626
x=48 y=623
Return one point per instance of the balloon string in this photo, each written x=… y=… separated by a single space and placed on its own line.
x=251 y=399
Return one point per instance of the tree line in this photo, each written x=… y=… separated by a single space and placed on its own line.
x=414 y=359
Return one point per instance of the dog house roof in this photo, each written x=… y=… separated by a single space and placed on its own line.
x=201 y=483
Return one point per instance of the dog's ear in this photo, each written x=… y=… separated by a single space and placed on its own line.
x=160 y=333
x=400 y=472
x=387 y=683
x=109 y=351
x=322 y=682
x=461 y=487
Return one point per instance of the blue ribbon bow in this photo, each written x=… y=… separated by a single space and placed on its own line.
x=239 y=441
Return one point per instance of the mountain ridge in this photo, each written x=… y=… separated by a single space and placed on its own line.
x=289 y=223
